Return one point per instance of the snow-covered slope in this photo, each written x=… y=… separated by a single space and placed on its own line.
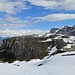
x=55 y=65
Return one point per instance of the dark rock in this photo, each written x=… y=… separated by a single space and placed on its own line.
x=72 y=33
x=40 y=64
x=25 y=47
x=59 y=43
x=53 y=30
x=65 y=30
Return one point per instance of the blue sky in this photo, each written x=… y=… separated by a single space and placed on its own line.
x=36 y=14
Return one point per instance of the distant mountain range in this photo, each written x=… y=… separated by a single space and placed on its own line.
x=37 y=47
x=69 y=30
x=13 y=33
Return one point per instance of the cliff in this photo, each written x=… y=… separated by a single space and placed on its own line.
x=25 y=47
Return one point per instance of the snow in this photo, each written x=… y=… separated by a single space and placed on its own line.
x=68 y=40
x=55 y=65
x=68 y=46
x=47 y=35
x=58 y=37
x=48 y=40
x=54 y=49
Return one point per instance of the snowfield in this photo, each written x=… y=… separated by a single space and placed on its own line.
x=55 y=65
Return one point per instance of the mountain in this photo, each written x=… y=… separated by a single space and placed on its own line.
x=1 y=39
x=48 y=54
x=24 y=48
x=37 y=47
x=72 y=33
x=31 y=47
x=66 y=30
x=53 y=30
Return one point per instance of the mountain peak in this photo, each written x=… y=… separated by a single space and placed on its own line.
x=53 y=30
x=66 y=30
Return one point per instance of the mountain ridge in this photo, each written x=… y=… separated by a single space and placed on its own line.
x=37 y=47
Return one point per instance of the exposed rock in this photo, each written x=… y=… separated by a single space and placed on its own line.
x=25 y=47
x=53 y=30
x=31 y=47
x=72 y=33
x=59 y=43
x=40 y=64
x=66 y=30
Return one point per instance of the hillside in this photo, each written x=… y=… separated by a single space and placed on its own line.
x=37 y=47
x=55 y=65
x=47 y=54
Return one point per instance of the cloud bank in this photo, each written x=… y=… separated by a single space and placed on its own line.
x=13 y=33
x=55 y=4
x=55 y=17
x=10 y=7
x=11 y=22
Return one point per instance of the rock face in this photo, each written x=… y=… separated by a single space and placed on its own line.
x=25 y=48
x=72 y=33
x=66 y=30
x=53 y=30
x=59 y=43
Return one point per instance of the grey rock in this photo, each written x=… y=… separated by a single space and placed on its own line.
x=53 y=30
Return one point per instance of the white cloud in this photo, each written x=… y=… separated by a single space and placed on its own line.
x=68 y=5
x=55 y=17
x=12 y=22
x=44 y=3
x=12 y=33
x=12 y=7
x=55 y=4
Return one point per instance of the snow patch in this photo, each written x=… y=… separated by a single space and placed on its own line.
x=48 y=40
x=55 y=65
x=68 y=46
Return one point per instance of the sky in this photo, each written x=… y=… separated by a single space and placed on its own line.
x=36 y=14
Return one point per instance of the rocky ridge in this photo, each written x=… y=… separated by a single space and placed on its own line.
x=34 y=47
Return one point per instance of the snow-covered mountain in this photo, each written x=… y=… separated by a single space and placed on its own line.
x=31 y=47
x=44 y=54
x=66 y=30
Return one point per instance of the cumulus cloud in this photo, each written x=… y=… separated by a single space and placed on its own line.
x=44 y=3
x=12 y=33
x=12 y=6
x=11 y=22
x=55 y=4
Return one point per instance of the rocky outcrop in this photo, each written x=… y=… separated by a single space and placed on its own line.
x=59 y=43
x=66 y=30
x=53 y=30
x=72 y=33
x=31 y=47
x=25 y=47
